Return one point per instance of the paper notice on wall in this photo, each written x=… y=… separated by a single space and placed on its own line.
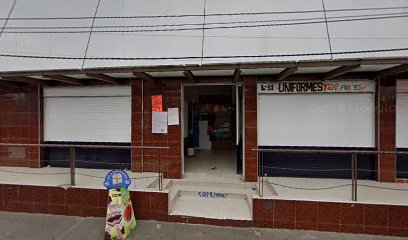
x=173 y=116
x=159 y=122
x=157 y=103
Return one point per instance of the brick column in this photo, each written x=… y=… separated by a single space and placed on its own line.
x=21 y=122
x=251 y=159
x=386 y=130
x=171 y=159
x=137 y=125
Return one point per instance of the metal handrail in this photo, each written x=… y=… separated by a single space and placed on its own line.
x=72 y=148
x=80 y=146
x=354 y=167
x=329 y=151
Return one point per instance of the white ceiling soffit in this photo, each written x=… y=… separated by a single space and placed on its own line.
x=121 y=75
x=315 y=70
x=166 y=74
x=373 y=68
x=261 y=71
x=269 y=40
x=45 y=44
x=153 y=74
x=385 y=33
x=146 y=44
x=79 y=76
x=213 y=73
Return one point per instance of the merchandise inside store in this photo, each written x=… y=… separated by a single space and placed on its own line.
x=210 y=130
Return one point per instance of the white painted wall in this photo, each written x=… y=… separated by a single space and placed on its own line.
x=264 y=40
x=45 y=44
x=309 y=38
x=147 y=44
x=366 y=35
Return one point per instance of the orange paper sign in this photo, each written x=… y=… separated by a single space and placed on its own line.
x=157 y=105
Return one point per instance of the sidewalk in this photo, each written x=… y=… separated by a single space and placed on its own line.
x=16 y=226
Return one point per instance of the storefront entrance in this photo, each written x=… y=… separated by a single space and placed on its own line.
x=212 y=129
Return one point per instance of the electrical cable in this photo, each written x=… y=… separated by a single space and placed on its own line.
x=327 y=30
x=207 y=57
x=90 y=34
x=208 y=28
x=206 y=23
x=208 y=15
x=8 y=16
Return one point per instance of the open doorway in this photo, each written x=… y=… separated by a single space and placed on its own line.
x=212 y=126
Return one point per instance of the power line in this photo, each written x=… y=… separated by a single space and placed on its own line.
x=206 y=23
x=207 y=57
x=327 y=29
x=90 y=33
x=205 y=28
x=8 y=16
x=208 y=15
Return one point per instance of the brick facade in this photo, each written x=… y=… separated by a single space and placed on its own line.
x=250 y=118
x=20 y=123
x=20 y=110
x=374 y=219
x=171 y=160
x=386 y=131
x=332 y=217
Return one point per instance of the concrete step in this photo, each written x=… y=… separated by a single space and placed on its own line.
x=211 y=204
x=237 y=188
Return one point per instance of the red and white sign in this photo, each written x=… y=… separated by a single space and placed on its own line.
x=349 y=86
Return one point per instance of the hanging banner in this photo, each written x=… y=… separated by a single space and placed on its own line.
x=157 y=103
x=349 y=86
x=120 y=217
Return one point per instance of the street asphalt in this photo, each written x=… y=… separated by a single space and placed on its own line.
x=15 y=226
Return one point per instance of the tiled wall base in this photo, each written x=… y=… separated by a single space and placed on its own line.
x=332 y=217
x=401 y=180
x=287 y=214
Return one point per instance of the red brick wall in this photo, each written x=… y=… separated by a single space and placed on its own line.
x=374 y=219
x=332 y=217
x=386 y=128
x=171 y=159
x=251 y=160
x=19 y=123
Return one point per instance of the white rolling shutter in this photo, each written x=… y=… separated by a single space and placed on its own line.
x=402 y=114
x=87 y=114
x=316 y=119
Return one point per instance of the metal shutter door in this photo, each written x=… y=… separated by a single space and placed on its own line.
x=326 y=120
x=402 y=114
x=87 y=114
